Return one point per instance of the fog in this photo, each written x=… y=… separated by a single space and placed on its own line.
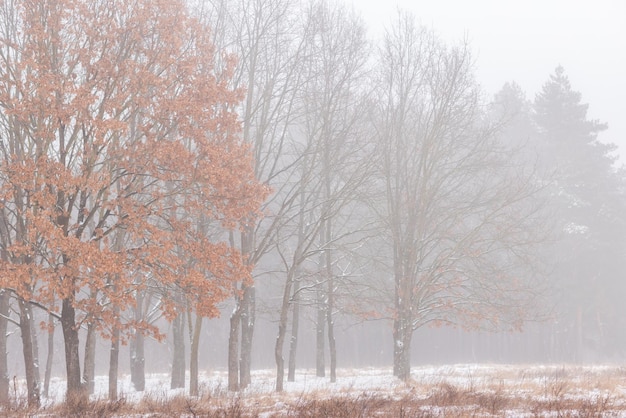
x=267 y=184
x=525 y=41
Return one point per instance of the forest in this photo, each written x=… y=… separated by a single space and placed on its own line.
x=257 y=184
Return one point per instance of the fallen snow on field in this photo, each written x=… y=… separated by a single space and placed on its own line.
x=545 y=384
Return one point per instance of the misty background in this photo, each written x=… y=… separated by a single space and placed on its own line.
x=485 y=184
x=525 y=41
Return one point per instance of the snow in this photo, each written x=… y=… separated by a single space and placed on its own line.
x=541 y=383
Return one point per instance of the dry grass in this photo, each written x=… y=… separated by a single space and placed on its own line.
x=451 y=392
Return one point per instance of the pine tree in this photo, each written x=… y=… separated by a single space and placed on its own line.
x=588 y=205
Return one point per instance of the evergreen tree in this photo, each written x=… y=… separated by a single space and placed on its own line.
x=588 y=203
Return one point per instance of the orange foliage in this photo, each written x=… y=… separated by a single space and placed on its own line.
x=119 y=147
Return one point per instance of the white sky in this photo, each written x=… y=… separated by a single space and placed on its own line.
x=524 y=41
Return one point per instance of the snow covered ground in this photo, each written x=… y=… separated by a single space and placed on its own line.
x=453 y=390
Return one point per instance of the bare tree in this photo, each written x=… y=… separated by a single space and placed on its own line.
x=262 y=34
x=457 y=213
x=332 y=169
x=333 y=100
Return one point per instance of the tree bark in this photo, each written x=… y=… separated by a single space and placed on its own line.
x=248 y=316
x=35 y=342
x=233 y=336
x=136 y=349
x=30 y=363
x=331 y=330
x=5 y=296
x=233 y=348
x=178 y=360
x=328 y=274
x=402 y=334
x=50 y=356
x=137 y=362
x=282 y=330
x=72 y=360
x=89 y=361
x=114 y=357
x=193 y=360
x=320 y=325
x=295 y=323
x=248 y=312
x=89 y=369
x=321 y=296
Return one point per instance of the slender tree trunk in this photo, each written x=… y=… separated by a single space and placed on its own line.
x=30 y=363
x=233 y=336
x=132 y=353
x=50 y=356
x=114 y=357
x=233 y=348
x=331 y=330
x=5 y=296
x=89 y=369
x=282 y=330
x=178 y=360
x=89 y=361
x=35 y=342
x=321 y=296
x=137 y=357
x=193 y=360
x=244 y=317
x=320 y=326
x=330 y=290
x=295 y=323
x=248 y=316
x=71 y=342
x=284 y=307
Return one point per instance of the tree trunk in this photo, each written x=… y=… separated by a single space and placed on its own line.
x=282 y=330
x=402 y=323
x=137 y=362
x=71 y=343
x=30 y=363
x=331 y=330
x=178 y=360
x=320 y=325
x=330 y=290
x=137 y=356
x=50 y=356
x=35 y=342
x=193 y=360
x=5 y=296
x=402 y=334
x=321 y=302
x=233 y=348
x=248 y=316
x=248 y=312
x=114 y=357
x=89 y=369
x=89 y=361
x=295 y=322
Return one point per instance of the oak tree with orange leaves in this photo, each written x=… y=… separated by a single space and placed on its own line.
x=115 y=122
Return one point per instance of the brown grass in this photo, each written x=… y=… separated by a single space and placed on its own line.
x=533 y=391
